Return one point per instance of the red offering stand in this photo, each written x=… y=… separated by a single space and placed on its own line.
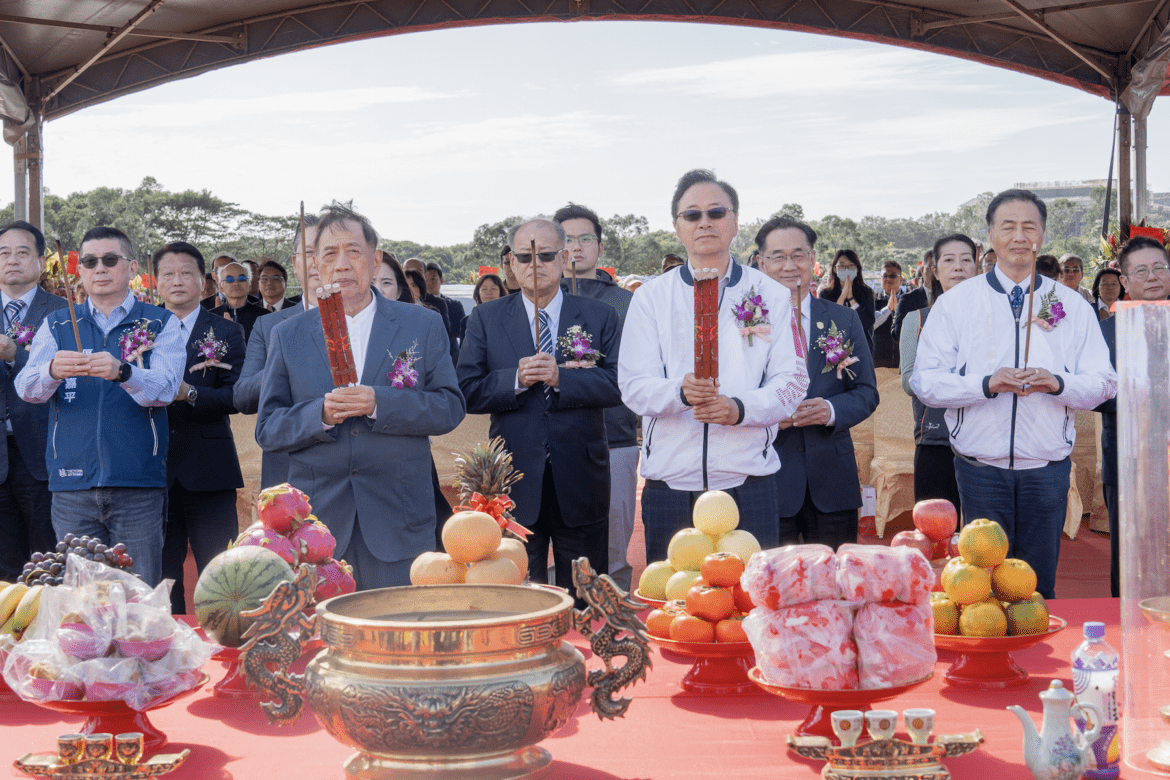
x=654 y=603
x=985 y=663
x=720 y=668
x=825 y=703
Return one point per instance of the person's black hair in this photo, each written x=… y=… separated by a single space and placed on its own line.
x=576 y=211
x=933 y=253
x=179 y=248
x=337 y=214
x=1136 y=243
x=1007 y=196
x=391 y=262
x=1046 y=265
x=102 y=232
x=488 y=278
x=892 y=264
x=280 y=268
x=784 y=222
x=700 y=176
x=505 y=251
x=1097 y=283
x=856 y=289
x=419 y=281
x=31 y=229
x=436 y=268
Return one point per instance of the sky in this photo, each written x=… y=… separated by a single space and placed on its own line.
x=432 y=134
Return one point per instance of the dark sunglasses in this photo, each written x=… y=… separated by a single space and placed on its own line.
x=694 y=215
x=109 y=261
x=524 y=258
x=230 y=279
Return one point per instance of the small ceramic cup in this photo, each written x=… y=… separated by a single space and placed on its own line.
x=881 y=723
x=847 y=726
x=919 y=724
x=99 y=745
x=70 y=748
x=128 y=747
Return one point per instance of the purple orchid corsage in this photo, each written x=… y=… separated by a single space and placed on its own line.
x=1051 y=311
x=838 y=352
x=136 y=341
x=752 y=316
x=404 y=374
x=578 y=345
x=21 y=334
x=212 y=350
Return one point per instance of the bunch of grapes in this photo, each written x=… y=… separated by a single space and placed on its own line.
x=49 y=568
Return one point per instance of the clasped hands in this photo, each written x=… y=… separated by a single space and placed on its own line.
x=345 y=402
x=810 y=411
x=541 y=367
x=66 y=364
x=708 y=406
x=1023 y=381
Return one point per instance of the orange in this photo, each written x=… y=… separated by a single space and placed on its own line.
x=730 y=630
x=494 y=570
x=983 y=543
x=1027 y=617
x=658 y=623
x=985 y=618
x=946 y=616
x=688 y=628
x=945 y=575
x=967 y=584
x=435 y=568
x=471 y=536
x=1013 y=580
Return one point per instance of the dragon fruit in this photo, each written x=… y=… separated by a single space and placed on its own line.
x=259 y=535
x=313 y=542
x=333 y=579
x=282 y=508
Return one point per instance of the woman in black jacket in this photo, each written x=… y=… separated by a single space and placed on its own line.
x=847 y=288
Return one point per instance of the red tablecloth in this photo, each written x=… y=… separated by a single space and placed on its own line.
x=666 y=733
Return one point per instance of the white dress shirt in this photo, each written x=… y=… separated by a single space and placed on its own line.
x=806 y=324
x=187 y=325
x=553 y=310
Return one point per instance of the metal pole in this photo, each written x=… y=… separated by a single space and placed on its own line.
x=1124 y=191
x=1141 y=190
x=20 y=179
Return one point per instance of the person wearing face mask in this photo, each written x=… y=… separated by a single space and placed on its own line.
x=934 y=463
x=847 y=288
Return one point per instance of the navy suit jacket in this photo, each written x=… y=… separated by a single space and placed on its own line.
x=30 y=422
x=376 y=472
x=202 y=453
x=820 y=458
x=246 y=393
x=1108 y=411
x=567 y=431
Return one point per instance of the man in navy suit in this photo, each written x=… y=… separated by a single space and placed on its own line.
x=203 y=470
x=26 y=522
x=817 y=481
x=550 y=414
x=362 y=453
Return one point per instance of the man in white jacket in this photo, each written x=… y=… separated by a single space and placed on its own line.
x=704 y=434
x=1012 y=396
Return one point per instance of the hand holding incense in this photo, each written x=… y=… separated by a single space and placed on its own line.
x=706 y=323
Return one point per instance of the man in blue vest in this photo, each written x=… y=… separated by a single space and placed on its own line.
x=107 y=437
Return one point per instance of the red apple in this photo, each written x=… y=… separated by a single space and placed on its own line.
x=936 y=518
x=915 y=539
x=942 y=549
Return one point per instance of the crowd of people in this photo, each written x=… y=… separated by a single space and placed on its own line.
x=118 y=424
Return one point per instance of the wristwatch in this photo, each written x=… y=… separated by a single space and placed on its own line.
x=192 y=394
x=123 y=372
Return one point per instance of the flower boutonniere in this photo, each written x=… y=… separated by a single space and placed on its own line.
x=136 y=342
x=404 y=374
x=838 y=352
x=1051 y=311
x=21 y=334
x=578 y=345
x=212 y=350
x=752 y=316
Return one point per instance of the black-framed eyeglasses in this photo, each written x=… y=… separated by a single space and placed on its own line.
x=109 y=261
x=891 y=276
x=230 y=279
x=694 y=215
x=524 y=258
x=271 y=279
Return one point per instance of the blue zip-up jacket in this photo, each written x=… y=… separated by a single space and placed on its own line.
x=98 y=435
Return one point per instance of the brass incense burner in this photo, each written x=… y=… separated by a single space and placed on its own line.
x=451 y=681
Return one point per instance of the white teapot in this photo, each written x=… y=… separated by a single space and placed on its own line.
x=1058 y=752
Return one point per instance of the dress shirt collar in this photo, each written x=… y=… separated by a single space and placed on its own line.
x=118 y=314
x=187 y=324
x=553 y=309
x=27 y=298
x=1007 y=283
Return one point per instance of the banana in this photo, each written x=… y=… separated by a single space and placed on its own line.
x=9 y=600
x=26 y=612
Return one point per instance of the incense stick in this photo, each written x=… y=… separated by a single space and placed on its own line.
x=68 y=296
x=1031 y=295
x=535 y=293
x=304 y=262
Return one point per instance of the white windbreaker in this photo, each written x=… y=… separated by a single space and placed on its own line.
x=971 y=333
x=767 y=378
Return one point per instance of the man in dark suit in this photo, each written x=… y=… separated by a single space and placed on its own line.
x=216 y=298
x=203 y=470
x=817 y=481
x=273 y=279
x=246 y=395
x=234 y=281
x=362 y=453
x=26 y=523
x=549 y=414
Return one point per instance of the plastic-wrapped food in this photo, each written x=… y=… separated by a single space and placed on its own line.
x=895 y=644
x=806 y=645
x=796 y=574
x=105 y=635
x=873 y=573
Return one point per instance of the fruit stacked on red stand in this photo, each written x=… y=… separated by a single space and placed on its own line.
x=477 y=553
x=713 y=609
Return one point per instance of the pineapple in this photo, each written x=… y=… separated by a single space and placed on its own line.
x=485 y=469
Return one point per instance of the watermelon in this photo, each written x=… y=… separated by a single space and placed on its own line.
x=236 y=581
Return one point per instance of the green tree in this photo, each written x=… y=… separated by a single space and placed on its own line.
x=619 y=233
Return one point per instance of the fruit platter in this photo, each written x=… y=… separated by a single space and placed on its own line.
x=985 y=663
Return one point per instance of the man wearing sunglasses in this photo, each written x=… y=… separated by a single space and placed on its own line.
x=549 y=414
x=708 y=434
x=216 y=298
x=235 y=279
x=108 y=433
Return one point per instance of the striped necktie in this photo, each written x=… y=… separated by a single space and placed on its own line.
x=546 y=342
x=13 y=311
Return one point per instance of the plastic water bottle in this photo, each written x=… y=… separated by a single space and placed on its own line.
x=1095 y=670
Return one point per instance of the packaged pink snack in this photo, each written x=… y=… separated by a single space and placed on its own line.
x=870 y=572
x=895 y=644
x=796 y=574
x=805 y=646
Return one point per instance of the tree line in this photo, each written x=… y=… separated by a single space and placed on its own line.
x=151 y=216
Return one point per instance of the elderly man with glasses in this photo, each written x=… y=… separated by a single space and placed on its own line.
x=710 y=434
x=548 y=402
x=108 y=432
x=235 y=280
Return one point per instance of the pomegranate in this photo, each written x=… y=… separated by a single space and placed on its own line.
x=334 y=578
x=313 y=542
x=282 y=508
x=258 y=535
